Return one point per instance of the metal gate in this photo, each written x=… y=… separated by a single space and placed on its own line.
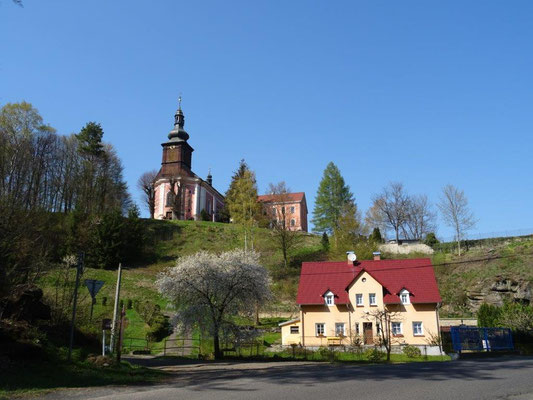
x=481 y=339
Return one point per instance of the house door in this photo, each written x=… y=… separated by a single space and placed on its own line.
x=367 y=331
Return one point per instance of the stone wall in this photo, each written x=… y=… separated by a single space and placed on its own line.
x=406 y=248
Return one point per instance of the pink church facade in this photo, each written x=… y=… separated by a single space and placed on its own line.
x=179 y=192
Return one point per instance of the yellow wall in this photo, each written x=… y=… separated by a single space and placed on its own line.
x=288 y=338
x=352 y=315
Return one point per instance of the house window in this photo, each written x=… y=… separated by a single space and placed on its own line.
x=329 y=299
x=418 y=329
x=320 y=329
x=359 y=299
x=396 y=328
x=274 y=211
x=339 y=329
x=292 y=210
x=357 y=328
x=293 y=222
x=372 y=299
x=295 y=330
x=404 y=296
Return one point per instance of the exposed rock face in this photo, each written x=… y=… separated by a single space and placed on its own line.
x=498 y=291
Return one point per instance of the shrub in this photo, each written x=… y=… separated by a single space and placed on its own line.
x=374 y=355
x=327 y=354
x=129 y=304
x=104 y=301
x=412 y=351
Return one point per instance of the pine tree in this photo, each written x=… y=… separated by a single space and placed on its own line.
x=376 y=236
x=332 y=195
x=325 y=241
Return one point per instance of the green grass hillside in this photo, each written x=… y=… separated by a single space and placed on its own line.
x=459 y=278
x=166 y=242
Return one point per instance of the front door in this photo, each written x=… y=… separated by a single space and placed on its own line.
x=367 y=331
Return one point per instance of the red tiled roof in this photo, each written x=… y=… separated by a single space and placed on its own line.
x=267 y=198
x=415 y=275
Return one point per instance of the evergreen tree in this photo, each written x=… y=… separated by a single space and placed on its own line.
x=332 y=195
x=376 y=236
x=431 y=240
x=488 y=315
x=90 y=139
x=325 y=241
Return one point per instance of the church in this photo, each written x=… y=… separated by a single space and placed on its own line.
x=179 y=192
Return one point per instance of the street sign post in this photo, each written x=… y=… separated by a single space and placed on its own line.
x=106 y=326
x=94 y=287
x=79 y=272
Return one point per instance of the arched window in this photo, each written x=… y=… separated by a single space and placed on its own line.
x=170 y=199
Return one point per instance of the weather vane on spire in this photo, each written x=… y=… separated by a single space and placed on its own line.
x=179 y=102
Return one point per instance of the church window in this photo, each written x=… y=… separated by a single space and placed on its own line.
x=170 y=199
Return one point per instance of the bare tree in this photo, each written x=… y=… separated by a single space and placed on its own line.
x=210 y=290
x=420 y=218
x=455 y=212
x=392 y=207
x=384 y=319
x=284 y=236
x=146 y=185
x=176 y=198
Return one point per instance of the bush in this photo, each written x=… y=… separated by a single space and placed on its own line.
x=129 y=304
x=104 y=301
x=326 y=354
x=412 y=351
x=374 y=355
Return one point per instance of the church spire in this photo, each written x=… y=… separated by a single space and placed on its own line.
x=178 y=134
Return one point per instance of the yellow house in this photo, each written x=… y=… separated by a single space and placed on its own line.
x=344 y=303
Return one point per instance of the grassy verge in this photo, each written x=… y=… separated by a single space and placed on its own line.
x=37 y=378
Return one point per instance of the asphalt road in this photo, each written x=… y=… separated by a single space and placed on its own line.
x=501 y=378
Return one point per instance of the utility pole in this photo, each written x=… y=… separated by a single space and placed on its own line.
x=115 y=311
x=79 y=271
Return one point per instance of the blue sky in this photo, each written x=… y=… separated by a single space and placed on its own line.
x=422 y=92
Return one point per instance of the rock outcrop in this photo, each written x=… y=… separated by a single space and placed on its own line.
x=499 y=291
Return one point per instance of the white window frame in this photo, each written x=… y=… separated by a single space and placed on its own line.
x=323 y=325
x=421 y=333
x=293 y=222
x=403 y=293
x=359 y=296
x=337 y=325
x=293 y=328
x=372 y=303
x=329 y=296
x=400 y=328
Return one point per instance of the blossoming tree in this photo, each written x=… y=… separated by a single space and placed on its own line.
x=209 y=289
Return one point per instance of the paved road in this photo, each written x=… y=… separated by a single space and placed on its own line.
x=503 y=378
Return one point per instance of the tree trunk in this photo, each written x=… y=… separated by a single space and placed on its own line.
x=216 y=345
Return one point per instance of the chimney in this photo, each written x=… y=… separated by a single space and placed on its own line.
x=377 y=255
x=351 y=257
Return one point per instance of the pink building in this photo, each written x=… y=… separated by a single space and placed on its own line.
x=179 y=192
x=291 y=205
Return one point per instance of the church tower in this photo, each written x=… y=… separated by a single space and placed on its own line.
x=179 y=192
x=177 y=153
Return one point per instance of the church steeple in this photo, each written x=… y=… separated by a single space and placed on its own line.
x=177 y=153
x=178 y=134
